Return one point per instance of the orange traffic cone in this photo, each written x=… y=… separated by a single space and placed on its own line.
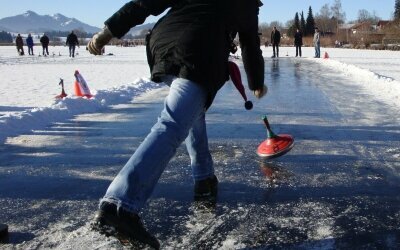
x=77 y=89
x=81 y=88
x=326 y=56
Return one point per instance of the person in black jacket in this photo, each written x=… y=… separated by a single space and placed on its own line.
x=19 y=42
x=298 y=42
x=275 y=40
x=44 y=40
x=72 y=42
x=188 y=49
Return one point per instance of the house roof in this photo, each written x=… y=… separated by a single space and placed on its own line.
x=382 y=22
x=349 y=26
x=346 y=26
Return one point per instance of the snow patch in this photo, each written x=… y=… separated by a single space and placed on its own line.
x=61 y=110
x=386 y=88
x=67 y=23
x=231 y=243
x=28 y=13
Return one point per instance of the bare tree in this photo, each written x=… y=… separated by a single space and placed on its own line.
x=277 y=24
x=366 y=16
x=266 y=28
x=338 y=13
x=363 y=15
x=323 y=18
x=325 y=11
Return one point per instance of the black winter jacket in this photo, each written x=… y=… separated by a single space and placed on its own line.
x=19 y=41
x=275 y=37
x=193 y=39
x=72 y=40
x=298 y=39
x=44 y=40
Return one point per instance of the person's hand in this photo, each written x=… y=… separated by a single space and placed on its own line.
x=99 y=40
x=259 y=93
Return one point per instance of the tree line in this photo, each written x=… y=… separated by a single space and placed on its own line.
x=5 y=37
x=54 y=36
x=328 y=20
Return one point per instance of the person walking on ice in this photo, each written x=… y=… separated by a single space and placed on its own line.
x=195 y=69
x=72 y=42
x=19 y=42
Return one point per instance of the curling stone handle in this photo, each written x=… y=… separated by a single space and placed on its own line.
x=269 y=130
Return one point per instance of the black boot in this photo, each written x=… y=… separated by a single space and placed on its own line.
x=122 y=224
x=206 y=189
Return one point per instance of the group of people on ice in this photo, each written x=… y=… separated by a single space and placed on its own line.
x=72 y=41
x=298 y=42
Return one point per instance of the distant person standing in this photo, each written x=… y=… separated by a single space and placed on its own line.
x=298 y=42
x=72 y=42
x=29 y=43
x=317 y=43
x=275 y=40
x=44 y=40
x=19 y=42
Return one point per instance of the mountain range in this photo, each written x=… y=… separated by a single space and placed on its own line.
x=33 y=22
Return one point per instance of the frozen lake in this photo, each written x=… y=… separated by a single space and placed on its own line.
x=338 y=188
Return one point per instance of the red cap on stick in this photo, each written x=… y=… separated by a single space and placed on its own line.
x=236 y=78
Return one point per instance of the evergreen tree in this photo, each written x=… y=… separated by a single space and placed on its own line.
x=295 y=24
x=397 y=10
x=5 y=37
x=302 y=24
x=310 y=23
x=297 y=21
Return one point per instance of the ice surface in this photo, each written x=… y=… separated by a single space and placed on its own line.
x=337 y=188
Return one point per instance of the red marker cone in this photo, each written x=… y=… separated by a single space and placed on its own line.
x=80 y=86
x=274 y=145
x=236 y=78
x=63 y=94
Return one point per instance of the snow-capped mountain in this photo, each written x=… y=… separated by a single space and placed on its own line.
x=135 y=31
x=33 y=22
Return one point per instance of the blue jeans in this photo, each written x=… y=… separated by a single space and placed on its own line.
x=183 y=117
x=317 y=50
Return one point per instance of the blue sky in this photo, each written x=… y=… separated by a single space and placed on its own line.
x=94 y=12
